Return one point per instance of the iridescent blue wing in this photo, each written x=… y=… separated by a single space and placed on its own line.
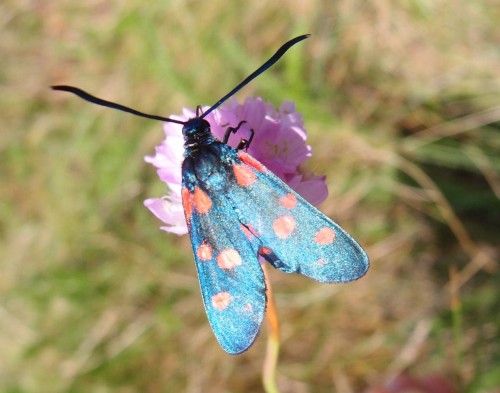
x=236 y=209
x=294 y=235
x=231 y=279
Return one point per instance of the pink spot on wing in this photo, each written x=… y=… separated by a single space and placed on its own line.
x=228 y=259
x=204 y=252
x=283 y=226
x=265 y=251
x=288 y=201
x=324 y=236
x=320 y=262
x=221 y=300
x=186 y=203
x=202 y=201
x=244 y=175
x=248 y=159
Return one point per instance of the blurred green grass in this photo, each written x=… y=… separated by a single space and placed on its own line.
x=402 y=105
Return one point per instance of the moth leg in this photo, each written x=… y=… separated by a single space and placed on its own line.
x=199 y=110
x=233 y=130
x=245 y=143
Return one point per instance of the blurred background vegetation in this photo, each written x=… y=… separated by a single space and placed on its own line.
x=401 y=100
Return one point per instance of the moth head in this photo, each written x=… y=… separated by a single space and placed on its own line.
x=195 y=129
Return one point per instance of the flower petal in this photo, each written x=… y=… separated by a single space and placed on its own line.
x=279 y=143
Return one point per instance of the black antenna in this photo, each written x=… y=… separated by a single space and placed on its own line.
x=280 y=52
x=99 y=101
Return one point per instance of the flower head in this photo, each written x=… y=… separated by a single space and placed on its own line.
x=279 y=143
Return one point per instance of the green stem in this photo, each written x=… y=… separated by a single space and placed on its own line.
x=273 y=341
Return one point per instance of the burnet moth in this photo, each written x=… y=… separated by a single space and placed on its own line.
x=237 y=210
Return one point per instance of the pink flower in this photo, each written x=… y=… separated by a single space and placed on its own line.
x=279 y=143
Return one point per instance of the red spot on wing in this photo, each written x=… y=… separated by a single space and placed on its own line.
x=324 y=236
x=249 y=160
x=265 y=251
x=283 y=226
x=202 y=201
x=204 y=252
x=228 y=259
x=221 y=300
x=244 y=175
x=186 y=203
x=288 y=201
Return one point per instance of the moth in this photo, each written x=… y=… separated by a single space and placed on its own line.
x=237 y=211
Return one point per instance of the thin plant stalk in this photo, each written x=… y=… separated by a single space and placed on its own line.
x=273 y=340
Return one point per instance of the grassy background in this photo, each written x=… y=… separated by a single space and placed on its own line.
x=401 y=100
